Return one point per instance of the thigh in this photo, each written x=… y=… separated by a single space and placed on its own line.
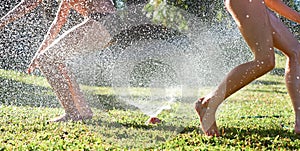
x=84 y=38
x=252 y=19
x=283 y=38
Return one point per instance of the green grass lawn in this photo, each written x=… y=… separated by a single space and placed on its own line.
x=259 y=117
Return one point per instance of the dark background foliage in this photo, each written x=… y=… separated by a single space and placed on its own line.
x=20 y=40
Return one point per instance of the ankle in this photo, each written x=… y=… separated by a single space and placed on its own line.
x=73 y=116
x=207 y=103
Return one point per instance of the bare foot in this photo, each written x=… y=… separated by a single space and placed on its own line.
x=87 y=116
x=67 y=117
x=207 y=120
x=78 y=97
x=297 y=127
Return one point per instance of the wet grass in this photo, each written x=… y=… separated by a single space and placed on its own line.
x=259 y=117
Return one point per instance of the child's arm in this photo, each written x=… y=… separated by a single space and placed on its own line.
x=282 y=9
x=24 y=7
x=57 y=24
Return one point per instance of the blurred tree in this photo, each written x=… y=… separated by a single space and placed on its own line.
x=16 y=50
x=170 y=12
x=210 y=11
x=295 y=28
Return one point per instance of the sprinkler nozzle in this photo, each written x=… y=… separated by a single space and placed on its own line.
x=153 y=120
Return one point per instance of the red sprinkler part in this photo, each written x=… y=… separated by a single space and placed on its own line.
x=153 y=120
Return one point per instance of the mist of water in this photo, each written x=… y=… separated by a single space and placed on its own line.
x=148 y=73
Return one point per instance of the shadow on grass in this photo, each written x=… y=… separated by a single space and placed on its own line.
x=136 y=124
x=265 y=82
x=267 y=91
x=278 y=71
x=272 y=137
x=233 y=132
x=108 y=102
x=255 y=138
x=20 y=94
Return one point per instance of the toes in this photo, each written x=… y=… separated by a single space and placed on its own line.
x=213 y=132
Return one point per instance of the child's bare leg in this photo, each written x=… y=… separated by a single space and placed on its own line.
x=292 y=77
x=289 y=45
x=238 y=77
x=253 y=22
x=61 y=89
x=87 y=37
x=80 y=101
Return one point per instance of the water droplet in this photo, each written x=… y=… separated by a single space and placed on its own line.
x=247 y=16
x=250 y=1
x=273 y=32
x=298 y=77
x=262 y=62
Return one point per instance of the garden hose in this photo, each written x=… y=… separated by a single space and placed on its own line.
x=261 y=116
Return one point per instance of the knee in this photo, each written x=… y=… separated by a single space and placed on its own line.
x=51 y=56
x=267 y=63
x=48 y=61
x=43 y=60
x=294 y=55
x=43 y=63
x=270 y=63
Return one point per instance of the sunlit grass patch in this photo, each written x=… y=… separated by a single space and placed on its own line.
x=259 y=117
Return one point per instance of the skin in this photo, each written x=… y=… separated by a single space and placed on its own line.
x=52 y=55
x=262 y=31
